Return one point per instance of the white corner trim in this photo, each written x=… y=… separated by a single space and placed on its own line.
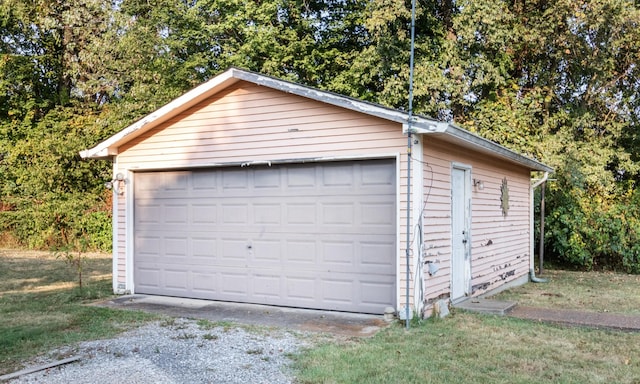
x=129 y=241
x=417 y=174
x=399 y=239
x=114 y=237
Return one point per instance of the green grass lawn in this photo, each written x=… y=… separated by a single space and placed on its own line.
x=472 y=348
x=41 y=306
x=589 y=291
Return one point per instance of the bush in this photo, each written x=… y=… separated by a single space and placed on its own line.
x=57 y=222
x=588 y=232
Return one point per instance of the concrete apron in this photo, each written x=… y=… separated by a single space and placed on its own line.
x=341 y=323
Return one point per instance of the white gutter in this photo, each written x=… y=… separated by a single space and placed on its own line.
x=538 y=183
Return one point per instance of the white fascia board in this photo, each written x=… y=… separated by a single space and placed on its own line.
x=335 y=99
x=97 y=153
x=109 y=146
x=498 y=149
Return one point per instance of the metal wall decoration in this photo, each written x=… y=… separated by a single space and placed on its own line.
x=504 y=197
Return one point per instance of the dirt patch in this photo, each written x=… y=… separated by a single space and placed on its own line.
x=361 y=329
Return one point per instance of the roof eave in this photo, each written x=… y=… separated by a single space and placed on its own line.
x=470 y=140
x=335 y=99
x=419 y=124
x=97 y=153
x=109 y=147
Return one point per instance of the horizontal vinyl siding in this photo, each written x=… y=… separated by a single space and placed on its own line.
x=249 y=123
x=122 y=236
x=437 y=220
x=500 y=245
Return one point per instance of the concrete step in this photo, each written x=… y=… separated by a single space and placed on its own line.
x=480 y=305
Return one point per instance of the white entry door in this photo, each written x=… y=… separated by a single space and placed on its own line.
x=460 y=229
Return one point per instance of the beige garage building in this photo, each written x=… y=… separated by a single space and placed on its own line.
x=253 y=189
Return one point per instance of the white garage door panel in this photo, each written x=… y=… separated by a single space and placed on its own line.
x=300 y=290
x=314 y=235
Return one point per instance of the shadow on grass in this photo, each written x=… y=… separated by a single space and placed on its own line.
x=43 y=308
x=37 y=272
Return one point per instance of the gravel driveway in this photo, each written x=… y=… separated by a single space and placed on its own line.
x=180 y=351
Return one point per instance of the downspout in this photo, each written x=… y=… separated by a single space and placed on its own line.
x=532 y=273
x=541 y=244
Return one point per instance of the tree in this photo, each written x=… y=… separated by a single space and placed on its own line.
x=45 y=190
x=554 y=80
x=559 y=81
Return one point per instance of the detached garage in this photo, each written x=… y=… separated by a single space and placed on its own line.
x=253 y=189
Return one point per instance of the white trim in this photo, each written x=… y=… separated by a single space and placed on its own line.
x=326 y=159
x=399 y=252
x=129 y=241
x=468 y=212
x=434 y=127
x=109 y=146
x=130 y=198
x=114 y=237
x=417 y=174
x=466 y=139
x=335 y=99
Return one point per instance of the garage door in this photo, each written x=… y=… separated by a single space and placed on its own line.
x=318 y=235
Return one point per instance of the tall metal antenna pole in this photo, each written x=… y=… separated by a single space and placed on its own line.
x=409 y=146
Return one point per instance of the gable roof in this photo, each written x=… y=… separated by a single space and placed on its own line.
x=420 y=124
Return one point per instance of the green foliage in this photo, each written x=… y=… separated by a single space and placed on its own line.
x=558 y=81
x=54 y=199
x=592 y=233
